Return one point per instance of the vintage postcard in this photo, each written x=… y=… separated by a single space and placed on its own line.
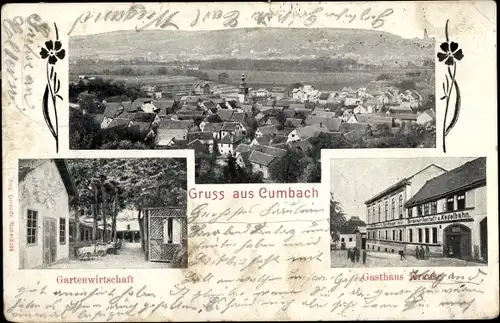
x=362 y=137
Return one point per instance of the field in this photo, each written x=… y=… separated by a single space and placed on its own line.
x=141 y=79
x=331 y=81
x=322 y=81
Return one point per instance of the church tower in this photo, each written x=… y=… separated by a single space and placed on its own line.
x=243 y=89
x=426 y=36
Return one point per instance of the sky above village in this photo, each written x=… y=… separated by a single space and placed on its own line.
x=355 y=180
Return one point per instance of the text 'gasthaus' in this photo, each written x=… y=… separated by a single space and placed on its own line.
x=263 y=193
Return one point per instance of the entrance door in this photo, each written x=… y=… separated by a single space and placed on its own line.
x=49 y=241
x=457 y=238
x=167 y=229
x=483 y=237
x=363 y=243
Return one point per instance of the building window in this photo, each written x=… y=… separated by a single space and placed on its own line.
x=426 y=208
x=419 y=235
x=393 y=235
x=400 y=205
x=369 y=216
x=434 y=235
x=62 y=230
x=342 y=240
x=386 y=235
x=426 y=235
x=373 y=213
x=350 y=239
x=400 y=235
x=461 y=201
x=379 y=212
x=434 y=207
x=449 y=203
x=410 y=212
x=386 y=209
x=410 y=235
x=31 y=227
x=419 y=210
x=393 y=208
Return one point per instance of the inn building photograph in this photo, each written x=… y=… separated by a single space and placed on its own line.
x=418 y=211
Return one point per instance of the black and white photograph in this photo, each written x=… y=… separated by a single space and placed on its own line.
x=408 y=212
x=256 y=104
x=102 y=213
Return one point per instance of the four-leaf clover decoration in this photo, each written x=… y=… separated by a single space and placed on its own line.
x=451 y=53
x=52 y=50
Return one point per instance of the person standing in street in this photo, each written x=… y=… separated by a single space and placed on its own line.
x=357 y=254
x=422 y=253
x=364 y=256
x=402 y=254
x=427 y=252
x=417 y=252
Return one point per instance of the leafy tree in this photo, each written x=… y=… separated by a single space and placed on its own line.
x=135 y=182
x=281 y=118
x=327 y=141
x=383 y=130
x=162 y=70
x=286 y=169
x=384 y=77
x=311 y=170
x=337 y=218
x=83 y=134
x=430 y=103
x=406 y=85
x=252 y=127
x=231 y=171
x=124 y=145
x=206 y=168
x=291 y=87
x=89 y=102
x=223 y=78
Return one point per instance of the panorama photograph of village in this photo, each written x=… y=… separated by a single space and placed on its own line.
x=256 y=105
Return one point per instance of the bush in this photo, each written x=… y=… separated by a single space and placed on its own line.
x=181 y=257
x=384 y=77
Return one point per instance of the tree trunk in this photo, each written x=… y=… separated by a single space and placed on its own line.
x=94 y=227
x=141 y=229
x=103 y=208
x=77 y=226
x=115 y=215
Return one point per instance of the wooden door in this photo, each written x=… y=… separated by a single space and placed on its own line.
x=49 y=241
x=167 y=228
x=483 y=238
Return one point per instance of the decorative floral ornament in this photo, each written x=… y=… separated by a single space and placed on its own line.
x=52 y=50
x=451 y=54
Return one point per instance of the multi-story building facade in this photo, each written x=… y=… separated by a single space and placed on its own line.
x=386 y=214
x=442 y=211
